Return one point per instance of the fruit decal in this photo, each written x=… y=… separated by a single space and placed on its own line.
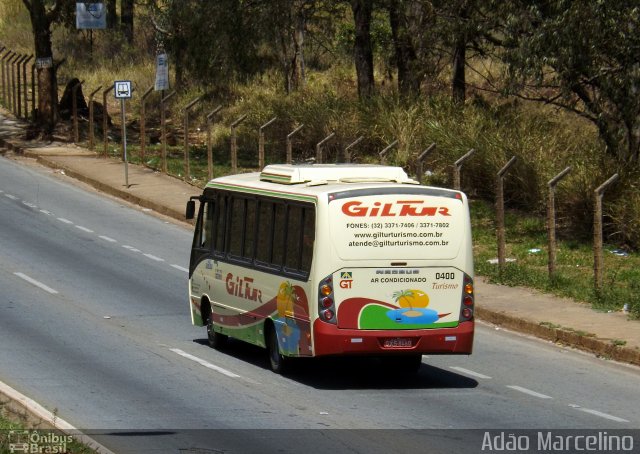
x=291 y=303
x=413 y=309
x=285 y=298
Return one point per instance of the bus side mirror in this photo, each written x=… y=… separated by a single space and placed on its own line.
x=191 y=209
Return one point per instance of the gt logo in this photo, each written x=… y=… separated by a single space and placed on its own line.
x=345 y=283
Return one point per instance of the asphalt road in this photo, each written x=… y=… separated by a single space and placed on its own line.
x=94 y=325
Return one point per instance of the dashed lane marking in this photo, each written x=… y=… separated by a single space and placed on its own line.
x=153 y=257
x=12 y=197
x=464 y=371
x=106 y=238
x=38 y=284
x=204 y=363
x=181 y=268
x=65 y=221
x=84 y=229
x=601 y=414
x=529 y=392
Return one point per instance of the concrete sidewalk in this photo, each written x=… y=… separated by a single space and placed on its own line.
x=607 y=335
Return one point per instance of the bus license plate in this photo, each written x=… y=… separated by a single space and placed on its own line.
x=397 y=342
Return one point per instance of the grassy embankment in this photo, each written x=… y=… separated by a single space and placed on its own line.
x=544 y=139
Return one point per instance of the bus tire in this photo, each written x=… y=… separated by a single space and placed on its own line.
x=216 y=340
x=278 y=362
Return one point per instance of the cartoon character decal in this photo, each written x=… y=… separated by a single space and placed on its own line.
x=289 y=311
x=292 y=321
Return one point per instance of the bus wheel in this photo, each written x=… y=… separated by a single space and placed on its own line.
x=216 y=340
x=277 y=360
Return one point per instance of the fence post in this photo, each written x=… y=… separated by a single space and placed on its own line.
x=74 y=111
x=91 y=125
x=500 y=213
x=382 y=154
x=319 y=147
x=18 y=106
x=24 y=85
x=2 y=49
x=420 y=161
x=34 y=92
x=458 y=167
x=289 y=145
x=143 y=122
x=347 y=149
x=187 y=165
x=261 y=142
x=234 y=144
x=5 y=77
x=16 y=84
x=209 y=150
x=12 y=82
x=598 y=262
x=3 y=69
x=551 y=219
x=105 y=123
x=163 y=128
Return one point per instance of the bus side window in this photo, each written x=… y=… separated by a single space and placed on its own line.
x=206 y=237
x=279 y=232
x=264 y=241
x=308 y=238
x=236 y=232
x=250 y=230
x=220 y=225
x=294 y=237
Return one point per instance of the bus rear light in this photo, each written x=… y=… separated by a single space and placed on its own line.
x=326 y=303
x=468 y=288
x=328 y=315
x=468 y=301
x=467 y=313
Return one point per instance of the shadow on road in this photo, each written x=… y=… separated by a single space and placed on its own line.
x=350 y=372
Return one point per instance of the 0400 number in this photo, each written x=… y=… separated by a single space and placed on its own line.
x=445 y=275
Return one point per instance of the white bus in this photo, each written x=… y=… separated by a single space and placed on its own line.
x=315 y=260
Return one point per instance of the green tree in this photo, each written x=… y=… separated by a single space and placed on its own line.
x=583 y=56
x=43 y=14
x=363 y=48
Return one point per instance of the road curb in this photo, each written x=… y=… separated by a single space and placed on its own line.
x=121 y=194
x=602 y=348
x=17 y=406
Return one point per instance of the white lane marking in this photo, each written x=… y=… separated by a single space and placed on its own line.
x=181 y=268
x=131 y=248
x=470 y=372
x=601 y=414
x=66 y=221
x=29 y=204
x=12 y=197
x=204 y=363
x=153 y=257
x=530 y=392
x=106 y=238
x=84 y=229
x=48 y=213
x=39 y=284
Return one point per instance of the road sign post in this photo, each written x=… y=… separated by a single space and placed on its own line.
x=122 y=91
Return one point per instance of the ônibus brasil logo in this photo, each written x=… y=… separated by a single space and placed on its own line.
x=399 y=208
